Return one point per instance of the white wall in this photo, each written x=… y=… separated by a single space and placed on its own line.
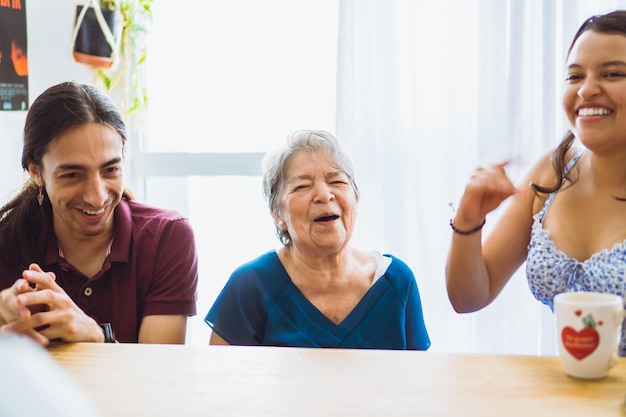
x=50 y=61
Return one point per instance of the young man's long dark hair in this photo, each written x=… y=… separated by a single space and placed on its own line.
x=54 y=112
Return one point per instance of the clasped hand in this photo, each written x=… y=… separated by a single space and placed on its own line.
x=37 y=307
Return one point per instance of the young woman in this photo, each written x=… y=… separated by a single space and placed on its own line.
x=567 y=218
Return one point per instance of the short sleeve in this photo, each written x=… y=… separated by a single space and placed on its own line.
x=238 y=314
x=175 y=274
x=415 y=328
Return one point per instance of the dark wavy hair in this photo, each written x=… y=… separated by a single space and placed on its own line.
x=57 y=110
x=610 y=23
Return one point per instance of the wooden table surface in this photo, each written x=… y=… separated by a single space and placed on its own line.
x=180 y=381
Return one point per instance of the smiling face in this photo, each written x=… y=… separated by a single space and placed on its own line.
x=318 y=203
x=83 y=177
x=594 y=94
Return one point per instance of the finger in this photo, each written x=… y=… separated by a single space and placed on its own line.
x=41 y=280
x=58 y=324
x=31 y=333
x=10 y=309
x=50 y=298
x=503 y=164
x=37 y=321
x=38 y=337
x=21 y=285
x=70 y=327
x=37 y=268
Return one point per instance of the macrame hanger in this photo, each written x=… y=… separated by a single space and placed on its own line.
x=104 y=27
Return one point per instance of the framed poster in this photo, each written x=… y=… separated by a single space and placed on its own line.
x=13 y=55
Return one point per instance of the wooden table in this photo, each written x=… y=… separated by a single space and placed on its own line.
x=183 y=381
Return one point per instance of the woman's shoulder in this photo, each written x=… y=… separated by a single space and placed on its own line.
x=398 y=265
x=542 y=171
x=265 y=271
x=400 y=276
x=391 y=266
x=267 y=260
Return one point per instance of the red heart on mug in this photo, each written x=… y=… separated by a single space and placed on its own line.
x=580 y=344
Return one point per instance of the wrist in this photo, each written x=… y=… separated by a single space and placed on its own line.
x=107 y=330
x=467 y=231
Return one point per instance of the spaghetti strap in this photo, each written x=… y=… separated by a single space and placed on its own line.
x=550 y=198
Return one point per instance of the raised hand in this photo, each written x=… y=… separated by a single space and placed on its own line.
x=487 y=188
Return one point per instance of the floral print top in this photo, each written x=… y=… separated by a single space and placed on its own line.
x=550 y=271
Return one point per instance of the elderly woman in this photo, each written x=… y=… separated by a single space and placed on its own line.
x=317 y=290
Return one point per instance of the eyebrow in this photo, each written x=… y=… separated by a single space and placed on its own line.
x=308 y=177
x=615 y=63
x=335 y=174
x=69 y=167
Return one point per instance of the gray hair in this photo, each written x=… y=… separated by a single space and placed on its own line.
x=275 y=162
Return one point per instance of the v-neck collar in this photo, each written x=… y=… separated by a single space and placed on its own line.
x=349 y=322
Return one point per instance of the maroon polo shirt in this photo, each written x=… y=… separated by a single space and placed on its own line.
x=151 y=270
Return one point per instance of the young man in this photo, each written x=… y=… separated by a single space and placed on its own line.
x=80 y=261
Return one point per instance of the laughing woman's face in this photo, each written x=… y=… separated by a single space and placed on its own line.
x=594 y=93
x=318 y=203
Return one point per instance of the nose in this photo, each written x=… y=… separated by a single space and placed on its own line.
x=95 y=193
x=323 y=193
x=589 y=88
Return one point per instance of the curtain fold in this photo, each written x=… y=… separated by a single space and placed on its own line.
x=427 y=91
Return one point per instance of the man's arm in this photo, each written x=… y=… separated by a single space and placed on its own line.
x=164 y=329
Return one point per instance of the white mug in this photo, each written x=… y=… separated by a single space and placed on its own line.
x=588 y=328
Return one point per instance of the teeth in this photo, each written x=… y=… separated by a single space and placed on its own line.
x=94 y=213
x=593 y=112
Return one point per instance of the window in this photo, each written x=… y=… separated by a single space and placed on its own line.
x=226 y=82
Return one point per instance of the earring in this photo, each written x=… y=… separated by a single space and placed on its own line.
x=40 y=196
x=281 y=224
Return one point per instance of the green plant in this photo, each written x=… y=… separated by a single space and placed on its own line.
x=125 y=79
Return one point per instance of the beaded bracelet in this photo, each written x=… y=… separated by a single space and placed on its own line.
x=467 y=232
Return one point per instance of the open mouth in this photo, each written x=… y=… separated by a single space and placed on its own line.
x=327 y=218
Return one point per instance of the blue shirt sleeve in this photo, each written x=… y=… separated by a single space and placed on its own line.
x=415 y=329
x=238 y=314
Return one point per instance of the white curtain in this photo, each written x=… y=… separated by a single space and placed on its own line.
x=427 y=91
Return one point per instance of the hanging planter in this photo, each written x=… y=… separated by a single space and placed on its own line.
x=111 y=37
x=96 y=36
